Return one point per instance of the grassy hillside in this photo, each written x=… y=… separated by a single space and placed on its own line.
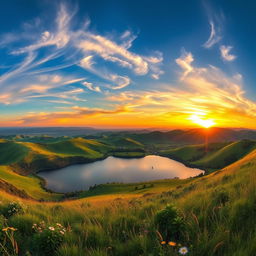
x=29 y=184
x=29 y=157
x=215 y=216
x=20 y=158
x=193 y=152
x=214 y=156
x=11 y=152
x=226 y=155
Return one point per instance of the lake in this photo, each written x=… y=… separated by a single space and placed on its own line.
x=113 y=169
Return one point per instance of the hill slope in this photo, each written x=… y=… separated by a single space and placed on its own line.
x=217 y=211
x=215 y=156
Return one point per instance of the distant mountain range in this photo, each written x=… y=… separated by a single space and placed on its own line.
x=50 y=131
x=190 y=136
x=194 y=136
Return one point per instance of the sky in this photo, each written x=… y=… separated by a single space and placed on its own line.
x=128 y=64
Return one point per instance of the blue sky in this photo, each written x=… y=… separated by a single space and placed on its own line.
x=127 y=63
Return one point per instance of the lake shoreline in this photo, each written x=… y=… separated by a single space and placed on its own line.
x=165 y=167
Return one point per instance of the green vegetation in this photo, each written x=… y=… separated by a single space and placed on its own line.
x=226 y=155
x=211 y=215
x=212 y=156
x=30 y=184
x=11 y=152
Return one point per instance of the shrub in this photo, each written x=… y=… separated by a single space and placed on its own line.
x=11 y=209
x=170 y=224
x=47 y=239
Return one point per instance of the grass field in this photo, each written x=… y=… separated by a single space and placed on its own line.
x=214 y=215
x=218 y=213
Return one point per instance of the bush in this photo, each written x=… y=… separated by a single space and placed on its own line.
x=170 y=224
x=11 y=209
x=47 y=240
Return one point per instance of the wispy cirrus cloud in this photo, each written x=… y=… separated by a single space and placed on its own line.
x=62 y=47
x=216 y=21
x=73 y=113
x=91 y=87
x=215 y=35
x=118 y=80
x=41 y=87
x=225 y=53
x=206 y=92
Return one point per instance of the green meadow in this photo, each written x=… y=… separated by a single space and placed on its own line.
x=209 y=215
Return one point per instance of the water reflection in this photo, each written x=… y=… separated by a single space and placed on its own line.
x=113 y=169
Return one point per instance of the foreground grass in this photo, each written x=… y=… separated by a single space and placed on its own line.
x=218 y=211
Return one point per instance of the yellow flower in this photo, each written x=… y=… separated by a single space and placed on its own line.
x=163 y=242
x=172 y=243
x=9 y=228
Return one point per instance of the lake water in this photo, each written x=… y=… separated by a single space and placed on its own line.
x=113 y=169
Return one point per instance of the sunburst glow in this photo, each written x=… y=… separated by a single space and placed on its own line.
x=206 y=123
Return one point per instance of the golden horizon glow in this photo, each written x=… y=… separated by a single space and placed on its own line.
x=206 y=123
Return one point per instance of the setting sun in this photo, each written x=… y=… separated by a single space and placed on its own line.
x=206 y=123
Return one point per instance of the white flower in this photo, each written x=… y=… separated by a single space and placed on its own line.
x=183 y=250
x=52 y=228
x=62 y=232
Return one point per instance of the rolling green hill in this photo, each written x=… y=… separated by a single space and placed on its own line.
x=26 y=157
x=11 y=152
x=214 y=214
x=227 y=154
x=215 y=156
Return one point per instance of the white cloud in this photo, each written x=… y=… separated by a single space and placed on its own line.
x=225 y=53
x=204 y=91
x=59 y=38
x=214 y=36
x=184 y=61
x=91 y=87
x=111 y=51
x=69 y=47
x=121 y=81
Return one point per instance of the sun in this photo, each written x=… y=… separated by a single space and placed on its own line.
x=206 y=123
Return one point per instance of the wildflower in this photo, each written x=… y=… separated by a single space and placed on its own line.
x=183 y=250
x=59 y=225
x=62 y=232
x=52 y=228
x=172 y=243
x=13 y=229
x=9 y=228
x=163 y=242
